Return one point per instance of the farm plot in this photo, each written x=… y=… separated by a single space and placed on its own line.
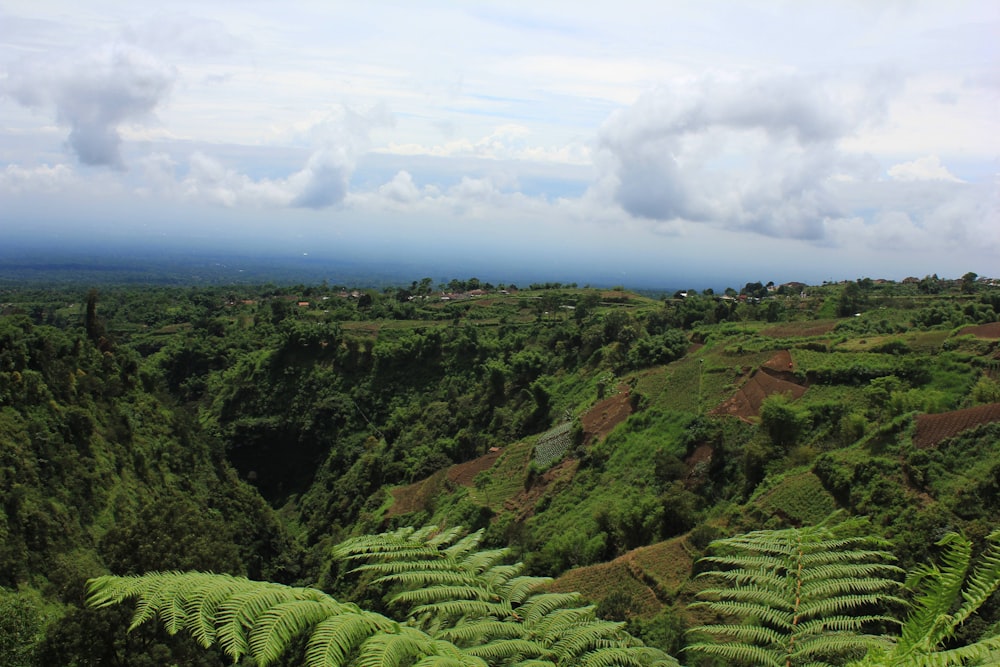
x=932 y=429
x=553 y=444
x=799 y=498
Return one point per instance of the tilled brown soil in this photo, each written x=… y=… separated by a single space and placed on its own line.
x=932 y=429
x=775 y=376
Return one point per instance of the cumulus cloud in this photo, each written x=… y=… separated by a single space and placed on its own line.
x=755 y=153
x=400 y=189
x=323 y=181
x=94 y=94
x=16 y=179
x=927 y=168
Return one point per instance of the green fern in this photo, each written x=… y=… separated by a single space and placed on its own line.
x=254 y=618
x=800 y=596
x=463 y=595
x=945 y=597
x=465 y=608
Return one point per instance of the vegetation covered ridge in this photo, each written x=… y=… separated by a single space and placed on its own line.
x=246 y=429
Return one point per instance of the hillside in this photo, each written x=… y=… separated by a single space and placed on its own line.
x=606 y=436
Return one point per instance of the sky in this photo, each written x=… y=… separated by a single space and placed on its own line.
x=680 y=143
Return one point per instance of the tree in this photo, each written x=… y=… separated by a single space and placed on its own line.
x=852 y=300
x=91 y=322
x=21 y=625
x=803 y=595
x=929 y=285
x=782 y=420
x=969 y=282
x=463 y=607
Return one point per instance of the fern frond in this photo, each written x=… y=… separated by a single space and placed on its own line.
x=560 y=621
x=481 y=561
x=440 y=539
x=798 y=589
x=869 y=572
x=335 y=639
x=479 y=631
x=501 y=575
x=464 y=546
x=450 y=661
x=426 y=578
x=443 y=593
x=240 y=612
x=395 y=566
x=983 y=582
x=777 y=618
x=756 y=634
x=738 y=653
x=583 y=638
x=394 y=650
x=203 y=604
x=505 y=649
x=519 y=588
x=157 y=593
x=975 y=653
x=766 y=579
x=845 y=623
x=468 y=608
x=282 y=623
x=537 y=606
x=939 y=587
x=642 y=656
x=398 y=545
x=835 y=605
x=776 y=600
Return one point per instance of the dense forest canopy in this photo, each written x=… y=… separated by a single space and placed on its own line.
x=605 y=438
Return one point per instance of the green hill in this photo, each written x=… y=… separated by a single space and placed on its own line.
x=246 y=429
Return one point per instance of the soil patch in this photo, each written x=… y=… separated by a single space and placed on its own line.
x=465 y=473
x=991 y=330
x=775 y=376
x=932 y=429
x=601 y=419
x=522 y=505
x=698 y=465
x=417 y=496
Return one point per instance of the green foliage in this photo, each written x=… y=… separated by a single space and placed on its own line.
x=986 y=390
x=245 y=617
x=21 y=627
x=946 y=596
x=125 y=421
x=801 y=596
x=783 y=421
x=473 y=610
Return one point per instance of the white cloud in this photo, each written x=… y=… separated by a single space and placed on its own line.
x=45 y=178
x=745 y=153
x=506 y=142
x=94 y=94
x=927 y=168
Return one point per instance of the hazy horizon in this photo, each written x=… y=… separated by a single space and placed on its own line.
x=676 y=144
